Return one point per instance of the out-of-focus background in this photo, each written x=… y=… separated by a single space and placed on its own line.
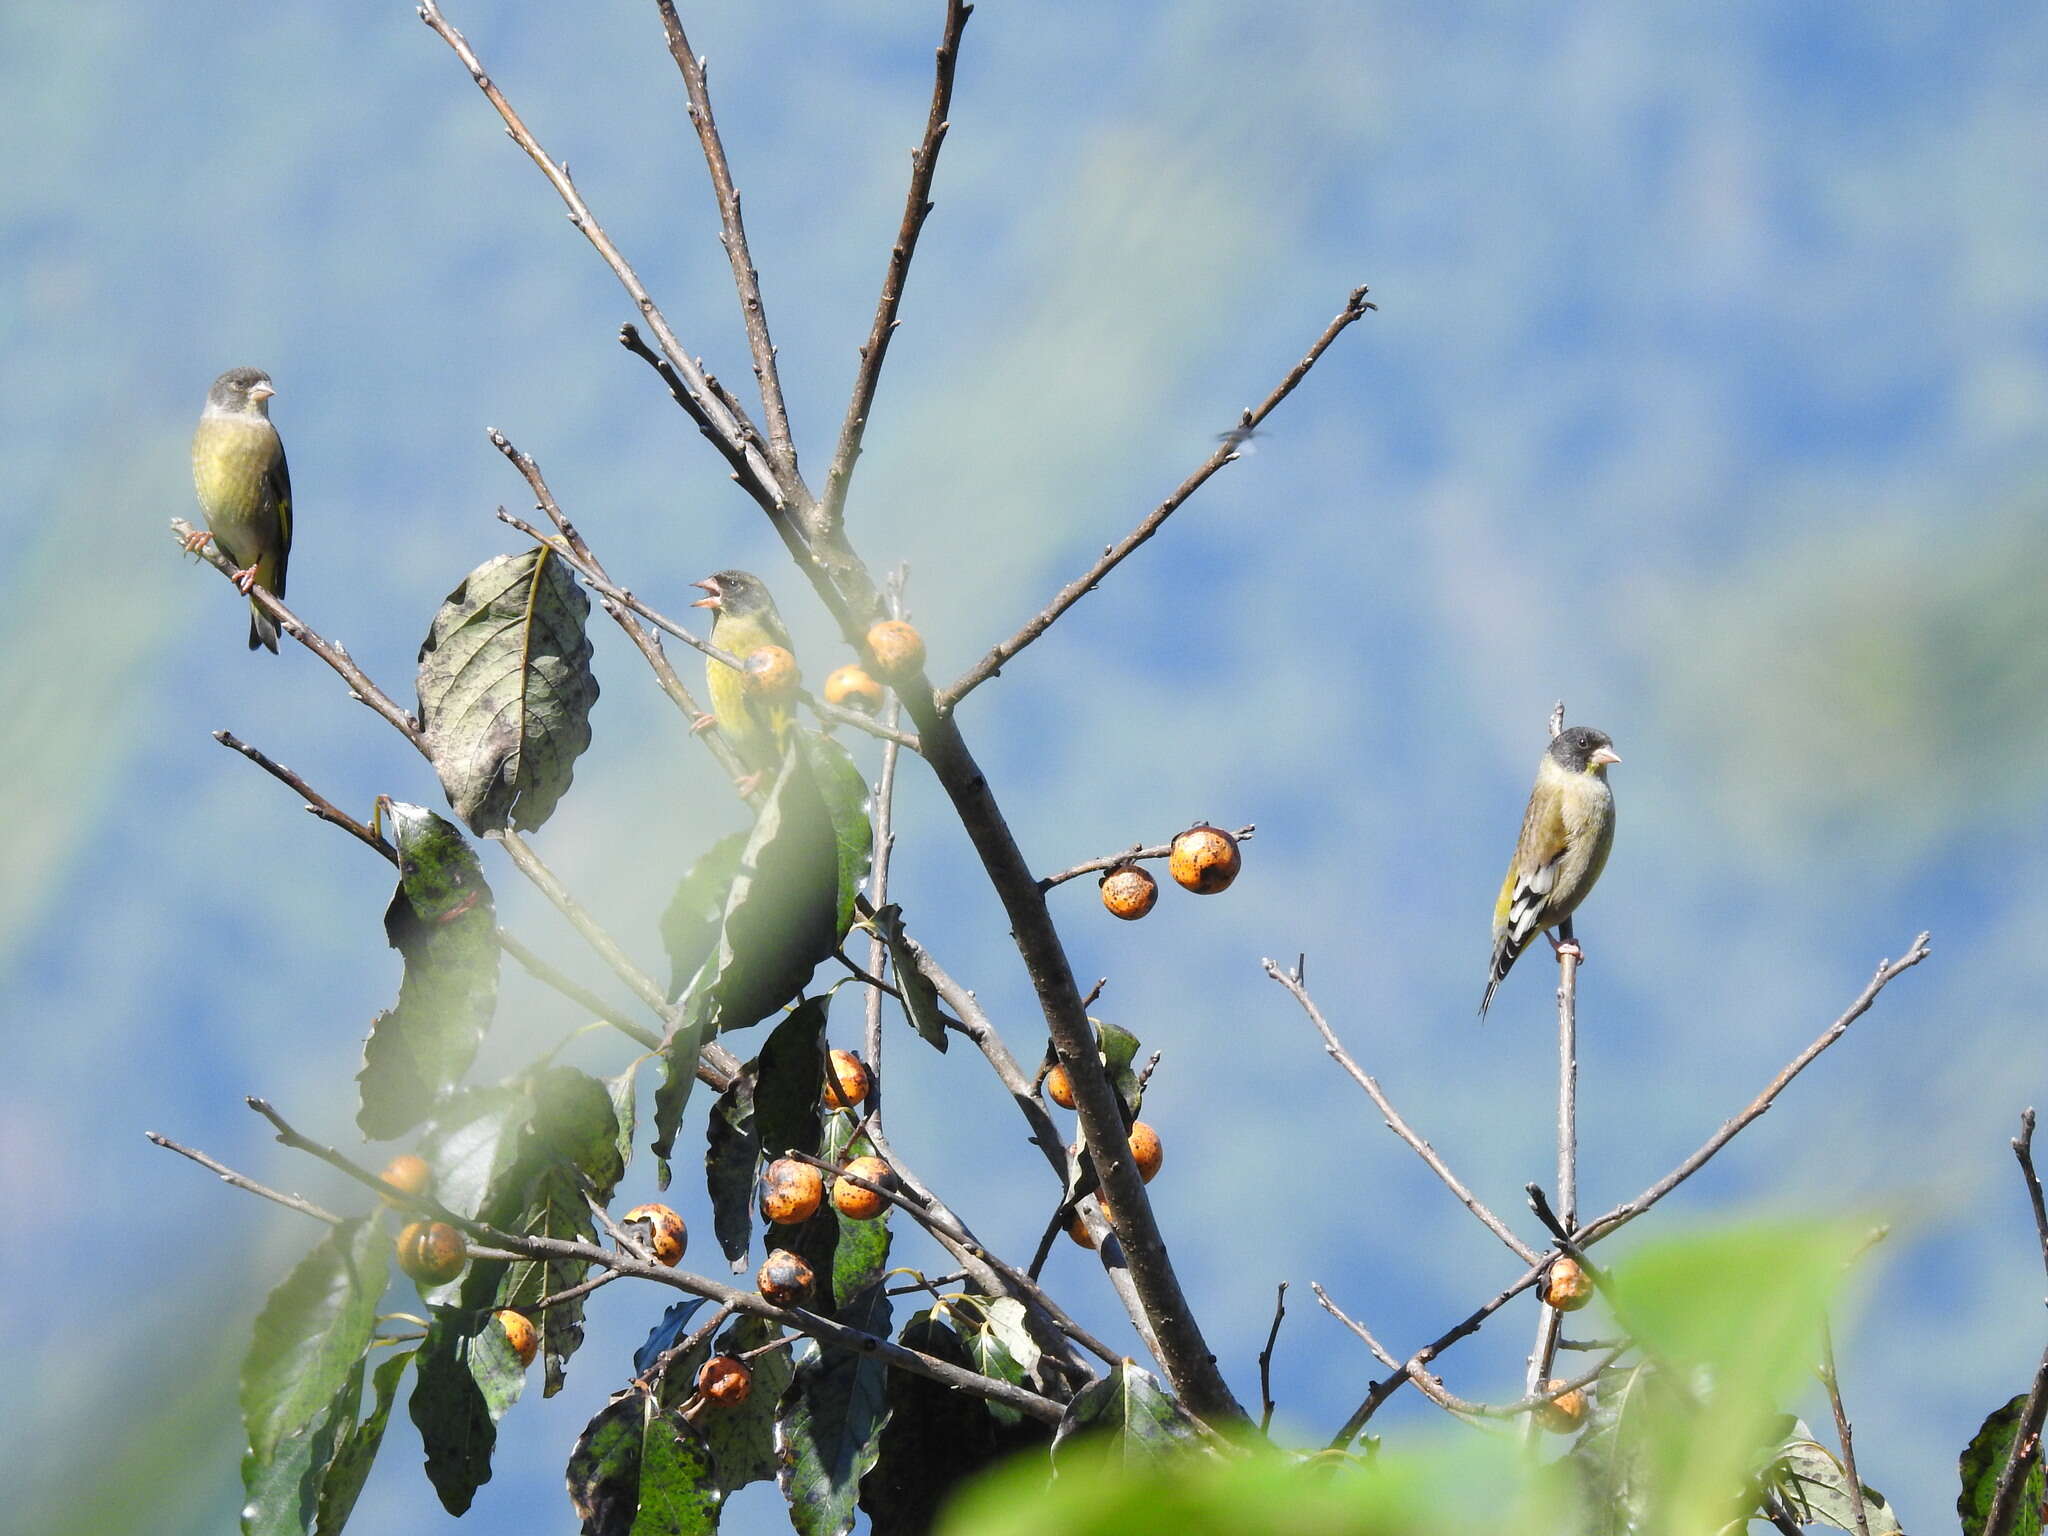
x=1707 y=391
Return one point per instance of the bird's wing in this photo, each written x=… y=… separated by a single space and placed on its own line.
x=1525 y=896
x=278 y=482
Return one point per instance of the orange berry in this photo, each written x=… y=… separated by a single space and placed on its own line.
x=1563 y=1413
x=851 y=688
x=790 y=1192
x=770 y=673
x=1129 y=892
x=785 y=1279
x=1566 y=1285
x=667 y=1237
x=896 y=649
x=856 y=1203
x=520 y=1334
x=431 y=1252
x=410 y=1173
x=848 y=1081
x=1060 y=1088
x=1205 y=860
x=1146 y=1151
x=1077 y=1229
x=725 y=1381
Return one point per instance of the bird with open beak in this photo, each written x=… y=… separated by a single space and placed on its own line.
x=744 y=619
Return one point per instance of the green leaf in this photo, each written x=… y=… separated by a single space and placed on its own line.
x=357 y=1450
x=689 y=928
x=920 y=997
x=993 y=1332
x=625 y=1108
x=742 y=1439
x=311 y=1333
x=638 y=1471
x=1119 y=1050
x=283 y=1491
x=1815 y=1487
x=1127 y=1416
x=732 y=1151
x=443 y=921
x=789 y=1081
x=936 y=1437
x=449 y=1409
x=833 y=1415
x=1982 y=1462
x=505 y=690
x=1624 y=1453
x=499 y=1375
x=845 y=794
x=860 y=1257
x=476 y=1137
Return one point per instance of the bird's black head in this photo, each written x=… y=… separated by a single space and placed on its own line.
x=1581 y=748
x=737 y=593
x=241 y=389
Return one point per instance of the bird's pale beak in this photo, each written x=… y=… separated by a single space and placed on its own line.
x=709 y=584
x=1604 y=755
x=262 y=391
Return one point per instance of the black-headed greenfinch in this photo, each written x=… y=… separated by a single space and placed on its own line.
x=1566 y=834
x=245 y=489
x=744 y=620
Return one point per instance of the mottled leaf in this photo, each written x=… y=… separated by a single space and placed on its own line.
x=689 y=928
x=499 y=1374
x=357 y=1449
x=1815 y=1487
x=311 y=1334
x=506 y=688
x=993 y=1331
x=679 y=1491
x=1128 y=1417
x=638 y=1471
x=831 y=1425
x=448 y=1408
x=732 y=1152
x=742 y=1439
x=443 y=921
x=920 y=997
x=1982 y=1462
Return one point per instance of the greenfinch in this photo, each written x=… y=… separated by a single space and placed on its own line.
x=744 y=620
x=245 y=489
x=1566 y=834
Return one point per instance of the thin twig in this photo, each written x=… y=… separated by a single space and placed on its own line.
x=228 y=1175
x=1293 y=982
x=716 y=412
x=317 y=803
x=781 y=451
x=1266 y=1359
x=361 y=688
x=1136 y=852
x=1355 y=308
x=917 y=205
x=1832 y=1382
x=2021 y=1459
x=1549 y=1321
x=1887 y=972
x=2023 y=1149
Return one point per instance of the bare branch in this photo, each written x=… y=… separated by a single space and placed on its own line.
x=2024 y=1456
x=1266 y=1404
x=715 y=411
x=781 y=451
x=1293 y=982
x=917 y=204
x=361 y=689
x=1832 y=1382
x=317 y=803
x=228 y=1175
x=1887 y=972
x=1354 y=309
x=2023 y=1149
x=1549 y=1321
x=1131 y=855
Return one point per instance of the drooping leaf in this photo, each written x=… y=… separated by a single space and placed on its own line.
x=1128 y=1416
x=1984 y=1459
x=742 y=1438
x=1119 y=1052
x=675 y=1322
x=860 y=1257
x=506 y=688
x=443 y=921
x=357 y=1449
x=831 y=1425
x=920 y=997
x=845 y=795
x=312 y=1333
x=1815 y=1487
x=625 y=1108
x=689 y=928
x=450 y=1412
x=789 y=1081
x=639 y=1471
x=282 y=1492
x=936 y=1437
x=1624 y=1454
x=732 y=1151
x=497 y=1369
x=993 y=1332
x=475 y=1139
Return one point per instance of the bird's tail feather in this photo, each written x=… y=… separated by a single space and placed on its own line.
x=1505 y=952
x=262 y=630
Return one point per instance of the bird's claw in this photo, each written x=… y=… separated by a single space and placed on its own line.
x=749 y=785
x=245 y=580
x=702 y=722
x=1568 y=947
x=197 y=540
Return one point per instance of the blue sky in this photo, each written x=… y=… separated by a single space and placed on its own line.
x=1707 y=391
